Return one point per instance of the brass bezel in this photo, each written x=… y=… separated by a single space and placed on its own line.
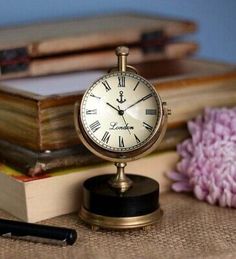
x=113 y=156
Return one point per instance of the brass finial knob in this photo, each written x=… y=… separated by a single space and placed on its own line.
x=122 y=52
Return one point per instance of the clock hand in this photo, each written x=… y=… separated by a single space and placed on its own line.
x=134 y=104
x=140 y=100
x=121 y=112
x=112 y=107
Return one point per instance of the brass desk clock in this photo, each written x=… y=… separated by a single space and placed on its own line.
x=121 y=118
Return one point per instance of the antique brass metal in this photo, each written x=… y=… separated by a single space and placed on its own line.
x=120 y=183
x=99 y=221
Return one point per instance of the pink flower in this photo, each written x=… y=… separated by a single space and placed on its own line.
x=208 y=159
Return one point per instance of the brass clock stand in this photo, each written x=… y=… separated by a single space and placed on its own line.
x=121 y=201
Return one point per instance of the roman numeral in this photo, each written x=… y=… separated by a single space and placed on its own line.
x=137 y=139
x=88 y=112
x=151 y=112
x=106 y=137
x=92 y=95
x=107 y=86
x=121 y=81
x=147 y=96
x=95 y=126
x=121 y=142
x=136 y=85
x=148 y=127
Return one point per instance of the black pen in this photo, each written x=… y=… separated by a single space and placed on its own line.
x=37 y=233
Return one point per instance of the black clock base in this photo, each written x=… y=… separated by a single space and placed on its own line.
x=105 y=207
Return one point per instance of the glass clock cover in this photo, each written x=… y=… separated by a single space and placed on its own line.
x=121 y=112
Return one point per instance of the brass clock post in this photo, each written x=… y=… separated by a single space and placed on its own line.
x=121 y=181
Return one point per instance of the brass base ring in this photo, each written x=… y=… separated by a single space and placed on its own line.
x=120 y=222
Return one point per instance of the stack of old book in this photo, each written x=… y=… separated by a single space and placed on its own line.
x=45 y=68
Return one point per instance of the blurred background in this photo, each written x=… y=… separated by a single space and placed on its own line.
x=216 y=18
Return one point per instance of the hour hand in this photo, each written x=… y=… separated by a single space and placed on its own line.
x=112 y=106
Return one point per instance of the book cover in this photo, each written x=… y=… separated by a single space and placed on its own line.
x=37 y=113
x=35 y=163
x=79 y=44
x=34 y=199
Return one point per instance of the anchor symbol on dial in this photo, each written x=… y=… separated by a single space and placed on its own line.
x=121 y=98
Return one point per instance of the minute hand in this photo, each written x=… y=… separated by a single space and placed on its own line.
x=140 y=100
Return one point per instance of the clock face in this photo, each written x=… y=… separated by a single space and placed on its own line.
x=120 y=112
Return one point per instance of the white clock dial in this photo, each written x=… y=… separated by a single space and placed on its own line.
x=120 y=112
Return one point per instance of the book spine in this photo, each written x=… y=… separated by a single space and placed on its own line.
x=154 y=41
x=14 y=60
